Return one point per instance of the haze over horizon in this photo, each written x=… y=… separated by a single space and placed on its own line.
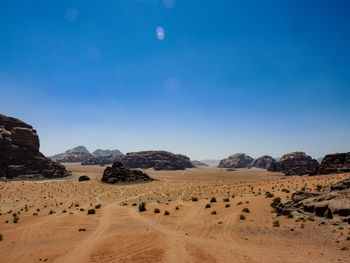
x=199 y=78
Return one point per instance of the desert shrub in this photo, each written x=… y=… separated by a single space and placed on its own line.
x=207 y=206
x=177 y=208
x=82 y=209
x=246 y=210
x=156 y=210
x=1 y=237
x=319 y=187
x=344 y=248
x=213 y=200
x=91 y=211
x=303 y=188
x=166 y=213
x=51 y=212
x=276 y=223
x=285 y=190
x=142 y=207
x=233 y=195
x=134 y=204
x=194 y=199
x=15 y=218
x=213 y=212
x=82 y=230
x=227 y=205
x=275 y=202
x=302 y=226
x=226 y=199
x=239 y=203
x=269 y=195
x=35 y=214
x=242 y=217
x=64 y=211
x=98 y=206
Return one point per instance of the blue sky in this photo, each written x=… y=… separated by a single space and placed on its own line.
x=261 y=77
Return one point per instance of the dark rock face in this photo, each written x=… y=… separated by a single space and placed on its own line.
x=198 y=163
x=102 y=160
x=335 y=163
x=100 y=152
x=84 y=178
x=19 y=153
x=118 y=173
x=295 y=163
x=331 y=203
x=77 y=154
x=263 y=162
x=159 y=160
x=238 y=160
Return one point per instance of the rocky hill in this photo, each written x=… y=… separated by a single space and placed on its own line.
x=238 y=160
x=295 y=163
x=102 y=160
x=335 y=163
x=77 y=154
x=19 y=153
x=100 y=152
x=263 y=162
x=118 y=173
x=331 y=203
x=159 y=160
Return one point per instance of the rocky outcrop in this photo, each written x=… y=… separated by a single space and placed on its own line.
x=102 y=160
x=77 y=154
x=263 y=162
x=19 y=153
x=198 y=164
x=84 y=178
x=100 y=152
x=159 y=160
x=331 y=203
x=335 y=163
x=295 y=163
x=238 y=160
x=118 y=173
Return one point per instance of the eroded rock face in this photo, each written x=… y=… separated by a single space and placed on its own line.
x=159 y=160
x=118 y=173
x=263 y=162
x=83 y=178
x=330 y=203
x=77 y=154
x=100 y=152
x=335 y=163
x=295 y=163
x=102 y=160
x=19 y=153
x=238 y=160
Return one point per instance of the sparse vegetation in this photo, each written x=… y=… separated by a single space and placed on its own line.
x=194 y=199
x=227 y=205
x=142 y=207
x=91 y=211
x=166 y=213
x=156 y=210
x=276 y=223
x=213 y=200
x=98 y=206
x=242 y=217
x=1 y=237
x=177 y=208
x=207 y=206
x=275 y=202
x=82 y=230
x=213 y=212
x=226 y=199
x=269 y=195
x=239 y=203
x=285 y=190
x=246 y=210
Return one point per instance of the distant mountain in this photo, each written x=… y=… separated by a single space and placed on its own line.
x=210 y=161
x=198 y=163
x=100 y=152
x=237 y=160
x=77 y=154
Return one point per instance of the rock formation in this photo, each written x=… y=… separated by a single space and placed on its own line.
x=295 y=163
x=263 y=162
x=238 y=160
x=19 y=153
x=331 y=203
x=100 y=152
x=102 y=160
x=159 y=160
x=198 y=163
x=84 y=178
x=335 y=163
x=118 y=173
x=77 y=154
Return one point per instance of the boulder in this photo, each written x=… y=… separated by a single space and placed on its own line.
x=84 y=178
x=295 y=163
x=20 y=157
x=158 y=160
x=238 y=160
x=118 y=173
x=335 y=163
x=263 y=162
x=331 y=203
x=198 y=164
x=102 y=160
x=77 y=154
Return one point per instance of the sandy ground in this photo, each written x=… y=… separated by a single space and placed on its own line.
x=118 y=232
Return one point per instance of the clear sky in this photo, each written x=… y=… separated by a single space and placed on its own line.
x=202 y=78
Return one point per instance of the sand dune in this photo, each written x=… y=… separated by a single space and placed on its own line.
x=118 y=232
